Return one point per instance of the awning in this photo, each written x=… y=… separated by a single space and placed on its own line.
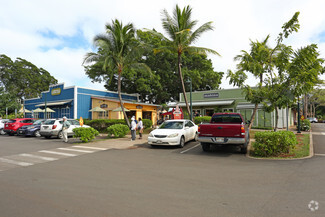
x=49 y=110
x=38 y=110
x=211 y=103
x=249 y=106
x=119 y=109
x=97 y=109
x=54 y=103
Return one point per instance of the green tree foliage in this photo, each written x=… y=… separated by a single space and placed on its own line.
x=20 y=80
x=118 y=51
x=180 y=37
x=118 y=130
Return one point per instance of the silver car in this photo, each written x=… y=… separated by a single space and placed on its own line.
x=53 y=127
x=2 y=125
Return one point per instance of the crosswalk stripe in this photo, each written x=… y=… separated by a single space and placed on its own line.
x=39 y=157
x=24 y=164
x=58 y=153
x=89 y=147
x=77 y=150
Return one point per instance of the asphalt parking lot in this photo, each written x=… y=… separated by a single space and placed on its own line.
x=159 y=181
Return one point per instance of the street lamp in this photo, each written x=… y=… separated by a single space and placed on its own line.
x=298 y=116
x=190 y=82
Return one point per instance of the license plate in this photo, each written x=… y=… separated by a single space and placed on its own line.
x=220 y=139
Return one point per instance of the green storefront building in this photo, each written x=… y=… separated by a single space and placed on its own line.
x=206 y=103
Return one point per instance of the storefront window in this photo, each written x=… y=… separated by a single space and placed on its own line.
x=65 y=112
x=209 y=112
x=103 y=114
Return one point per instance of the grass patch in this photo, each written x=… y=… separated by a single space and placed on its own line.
x=301 y=149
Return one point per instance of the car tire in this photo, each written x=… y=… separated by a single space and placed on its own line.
x=18 y=134
x=60 y=135
x=182 y=142
x=243 y=149
x=2 y=132
x=205 y=147
x=37 y=133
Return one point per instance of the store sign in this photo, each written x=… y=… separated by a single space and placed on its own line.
x=103 y=106
x=211 y=95
x=139 y=107
x=56 y=91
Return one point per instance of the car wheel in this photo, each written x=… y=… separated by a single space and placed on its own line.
x=182 y=142
x=205 y=147
x=18 y=134
x=37 y=133
x=60 y=135
x=243 y=149
x=2 y=132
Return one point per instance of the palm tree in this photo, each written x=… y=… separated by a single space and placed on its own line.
x=181 y=34
x=118 y=50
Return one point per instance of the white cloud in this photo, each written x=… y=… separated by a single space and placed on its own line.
x=235 y=21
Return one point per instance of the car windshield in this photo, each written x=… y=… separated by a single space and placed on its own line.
x=226 y=118
x=38 y=122
x=172 y=125
x=49 y=122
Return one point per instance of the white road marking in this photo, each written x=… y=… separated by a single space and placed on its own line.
x=24 y=164
x=39 y=157
x=89 y=147
x=77 y=150
x=58 y=153
x=320 y=155
x=189 y=149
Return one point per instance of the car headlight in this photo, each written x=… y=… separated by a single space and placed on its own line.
x=173 y=135
x=150 y=135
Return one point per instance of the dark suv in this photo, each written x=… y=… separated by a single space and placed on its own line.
x=13 y=125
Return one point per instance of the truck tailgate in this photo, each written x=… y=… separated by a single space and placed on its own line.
x=220 y=130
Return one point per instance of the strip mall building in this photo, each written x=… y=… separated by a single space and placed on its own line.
x=75 y=102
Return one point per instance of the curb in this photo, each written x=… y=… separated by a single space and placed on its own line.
x=311 y=151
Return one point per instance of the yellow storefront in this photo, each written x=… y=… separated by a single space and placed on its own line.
x=104 y=108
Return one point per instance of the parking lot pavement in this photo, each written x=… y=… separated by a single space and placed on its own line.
x=318 y=134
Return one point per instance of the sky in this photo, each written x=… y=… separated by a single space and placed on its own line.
x=56 y=35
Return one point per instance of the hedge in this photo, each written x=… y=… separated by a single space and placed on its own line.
x=118 y=130
x=203 y=119
x=147 y=123
x=85 y=133
x=268 y=144
x=102 y=124
x=305 y=125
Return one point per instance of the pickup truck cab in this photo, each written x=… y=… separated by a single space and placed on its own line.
x=224 y=129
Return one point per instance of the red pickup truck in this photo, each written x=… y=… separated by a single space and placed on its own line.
x=224 y=129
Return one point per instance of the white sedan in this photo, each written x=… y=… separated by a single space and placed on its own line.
x=174 y=132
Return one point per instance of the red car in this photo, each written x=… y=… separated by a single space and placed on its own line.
x=12 y=126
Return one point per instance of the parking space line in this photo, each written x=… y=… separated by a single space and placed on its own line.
x=39 y=157
x=190 y=149
x=24 y=164
x=89 y=147
x=58 y=153
x=77 y=150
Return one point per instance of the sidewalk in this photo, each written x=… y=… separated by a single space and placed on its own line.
x=121 y=143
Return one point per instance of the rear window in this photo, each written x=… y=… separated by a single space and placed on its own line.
x=226 y=118
x=49 y=122
x=11 y=121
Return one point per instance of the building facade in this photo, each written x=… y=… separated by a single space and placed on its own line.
x=75 y=102
x=206 y=103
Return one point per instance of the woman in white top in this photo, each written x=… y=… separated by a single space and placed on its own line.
x=140 y=128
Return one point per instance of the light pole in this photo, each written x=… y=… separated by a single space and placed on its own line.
x=190 y=82
x=298 y=116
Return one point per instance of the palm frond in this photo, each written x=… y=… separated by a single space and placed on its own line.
x=198 y=32
x=200 y=50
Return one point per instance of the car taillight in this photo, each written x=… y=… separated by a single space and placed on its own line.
x=53 y=127
x=199 y=129
x=242 y=130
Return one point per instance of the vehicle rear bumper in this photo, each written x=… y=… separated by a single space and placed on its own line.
x=222 y=140
x=49 y=133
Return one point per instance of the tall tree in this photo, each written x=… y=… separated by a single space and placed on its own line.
x=118 y=51
x=180 y=37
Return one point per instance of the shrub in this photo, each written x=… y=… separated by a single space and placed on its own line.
x=118 y=130
x=274 y=143
x=305 y=125
x=203 y=119
x=102 y=124
x=147 y=123
x=85 y=133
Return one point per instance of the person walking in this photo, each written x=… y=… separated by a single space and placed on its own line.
x=140 y=128
x=65 y=127
x=133 y=128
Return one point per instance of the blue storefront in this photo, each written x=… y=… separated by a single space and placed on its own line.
x=72 y=102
